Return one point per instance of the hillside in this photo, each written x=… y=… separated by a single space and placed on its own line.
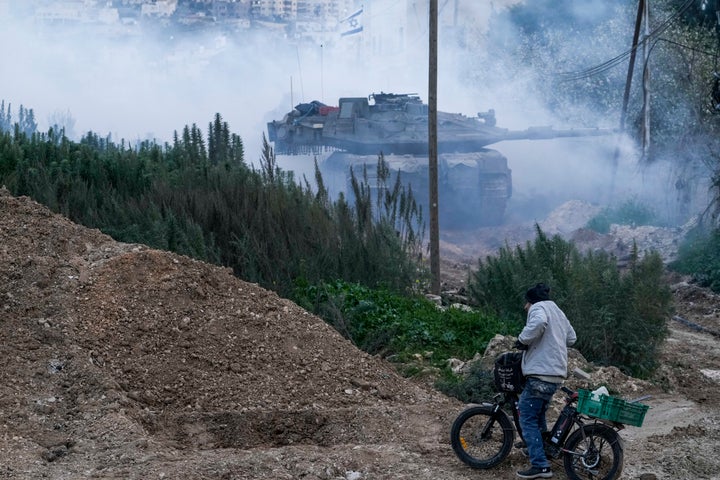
x=124 y=362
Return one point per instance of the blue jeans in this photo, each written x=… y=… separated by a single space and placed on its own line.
x=533 y=404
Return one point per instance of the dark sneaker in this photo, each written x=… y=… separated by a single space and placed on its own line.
x=536 y=472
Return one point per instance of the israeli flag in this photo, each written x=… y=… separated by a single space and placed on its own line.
x=351 y=25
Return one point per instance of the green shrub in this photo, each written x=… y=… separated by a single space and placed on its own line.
x=500 y=281
x=699 y=257
x=379 y=321
x=630 y=212
x=620 y=318
x=600 y=222
x=475 y=386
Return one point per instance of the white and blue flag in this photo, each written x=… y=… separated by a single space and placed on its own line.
x=352 y=24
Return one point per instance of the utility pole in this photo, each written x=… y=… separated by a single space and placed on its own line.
x=432 y=152
x=628 y=83
x=646 y=84
x=631 y=66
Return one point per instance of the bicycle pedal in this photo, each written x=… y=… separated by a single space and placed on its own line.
x=552 y=451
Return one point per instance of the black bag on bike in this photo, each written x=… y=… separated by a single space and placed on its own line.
x=508 y=372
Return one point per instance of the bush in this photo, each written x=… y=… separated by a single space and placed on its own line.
x=630 y=212
x=474 y=387
x=619 y=317
x=500 y=281
x=699 y=257
x=381 y=322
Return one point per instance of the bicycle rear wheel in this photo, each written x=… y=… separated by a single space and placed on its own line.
x=593 y=452
x=481 y=438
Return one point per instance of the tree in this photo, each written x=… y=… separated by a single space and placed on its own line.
x=26 y=121
x=5 y=117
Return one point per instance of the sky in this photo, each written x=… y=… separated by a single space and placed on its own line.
x=145 y=87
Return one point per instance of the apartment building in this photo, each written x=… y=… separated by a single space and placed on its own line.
x=321 y=11
x=77 y=11
x=159 y=8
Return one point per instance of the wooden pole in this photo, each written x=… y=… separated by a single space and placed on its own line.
x=626 y=95
x=432 y=153
x=646 y=85
x=631 y=66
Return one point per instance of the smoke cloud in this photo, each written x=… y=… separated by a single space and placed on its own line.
x=135 y=86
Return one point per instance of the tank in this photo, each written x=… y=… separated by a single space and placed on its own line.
x=474 y=182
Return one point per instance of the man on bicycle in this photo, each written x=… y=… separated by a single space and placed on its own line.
x=546 y=336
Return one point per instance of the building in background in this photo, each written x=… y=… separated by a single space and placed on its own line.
x=395 y=30
x=320 y=11
x=159 y=8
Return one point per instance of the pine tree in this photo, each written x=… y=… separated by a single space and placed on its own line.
x=5 y=118
x=26 y=121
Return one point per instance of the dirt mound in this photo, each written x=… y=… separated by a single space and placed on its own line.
x=126 y=362
x=155 y=347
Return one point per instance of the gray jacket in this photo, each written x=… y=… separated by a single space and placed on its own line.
x=547 y=334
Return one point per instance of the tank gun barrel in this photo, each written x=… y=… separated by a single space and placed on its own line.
x=546 y=132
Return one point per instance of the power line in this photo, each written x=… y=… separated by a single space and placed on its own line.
x=613 y=62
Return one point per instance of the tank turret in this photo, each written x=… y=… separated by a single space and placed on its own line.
x=475 y=182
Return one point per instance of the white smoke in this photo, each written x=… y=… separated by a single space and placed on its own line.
x=138 y=87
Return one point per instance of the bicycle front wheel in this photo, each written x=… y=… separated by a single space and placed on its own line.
x=481 y=438
x=593 y=452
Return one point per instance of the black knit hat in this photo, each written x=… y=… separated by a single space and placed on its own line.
x=538 y=293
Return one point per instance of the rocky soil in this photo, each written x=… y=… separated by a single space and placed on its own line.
x=123 y=362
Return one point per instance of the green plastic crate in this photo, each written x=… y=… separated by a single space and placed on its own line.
x=611 y=408
x=620 y=411
x=588 y=405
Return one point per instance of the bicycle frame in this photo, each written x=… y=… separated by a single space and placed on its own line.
x=503 y=399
